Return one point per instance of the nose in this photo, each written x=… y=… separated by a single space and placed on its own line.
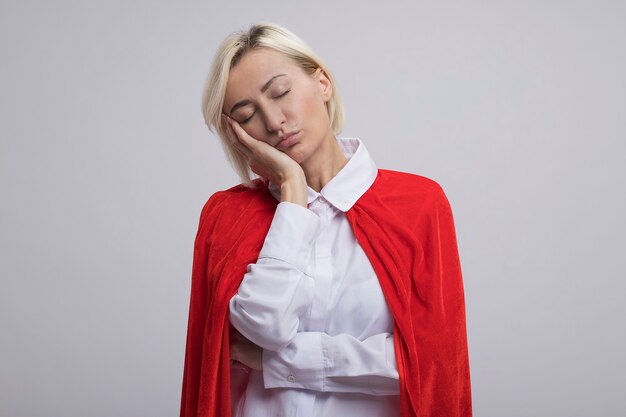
x=274 y=118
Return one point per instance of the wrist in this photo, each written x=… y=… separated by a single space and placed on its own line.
x=294 y=190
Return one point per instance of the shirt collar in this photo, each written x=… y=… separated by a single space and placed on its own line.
x=350 y=183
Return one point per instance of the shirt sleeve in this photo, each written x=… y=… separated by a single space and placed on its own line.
x=341 y=363
x=278 y=288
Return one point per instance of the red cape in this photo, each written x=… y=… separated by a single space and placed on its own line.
x=405 y=226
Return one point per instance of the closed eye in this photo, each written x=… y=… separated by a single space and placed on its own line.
x=248 y=119
x=283 y=94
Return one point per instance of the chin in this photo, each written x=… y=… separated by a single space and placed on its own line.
x=299 y=157
x=297 y=153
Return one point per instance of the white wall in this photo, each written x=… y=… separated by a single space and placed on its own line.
x=518 y=109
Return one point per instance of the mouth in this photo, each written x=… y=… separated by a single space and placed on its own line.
x=288 y=139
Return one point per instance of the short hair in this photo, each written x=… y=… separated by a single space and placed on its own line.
x=229 y=53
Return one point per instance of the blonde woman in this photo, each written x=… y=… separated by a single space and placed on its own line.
x=321 y=285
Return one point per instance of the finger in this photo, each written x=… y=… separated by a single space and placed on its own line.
x=243 y=136
x=234 y=138
x=234 y=352
x=241 y=366
x=231 y=135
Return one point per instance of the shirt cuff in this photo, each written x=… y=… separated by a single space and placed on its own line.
x=291 y=235
x=301 y=364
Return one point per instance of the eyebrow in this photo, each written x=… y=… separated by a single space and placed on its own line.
x=263 y=89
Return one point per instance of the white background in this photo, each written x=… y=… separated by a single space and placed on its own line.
x=518 y=109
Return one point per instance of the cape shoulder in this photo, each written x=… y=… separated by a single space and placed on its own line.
x=412 y=197
x=229 y=215
x=231 y=203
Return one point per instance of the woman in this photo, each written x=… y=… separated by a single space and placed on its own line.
x=326 y=285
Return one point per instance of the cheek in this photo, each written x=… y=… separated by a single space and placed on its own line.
x=312 y=108
x=256 y=129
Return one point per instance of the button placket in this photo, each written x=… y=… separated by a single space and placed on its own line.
x=323 y=269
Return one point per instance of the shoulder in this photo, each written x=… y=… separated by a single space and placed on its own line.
x=233 y=195
x=414 y=199
x=406 y=185
x=232 y=202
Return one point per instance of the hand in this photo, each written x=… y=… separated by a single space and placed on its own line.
x=264 y=159
x=244 y=351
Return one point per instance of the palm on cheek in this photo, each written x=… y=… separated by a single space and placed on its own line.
x=263 y=159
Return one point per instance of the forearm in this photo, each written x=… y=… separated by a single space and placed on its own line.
x=341 y=363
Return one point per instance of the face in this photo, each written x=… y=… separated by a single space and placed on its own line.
x=271 y=96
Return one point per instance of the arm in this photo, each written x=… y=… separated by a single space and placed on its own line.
x=278 y=288
x=341 y=363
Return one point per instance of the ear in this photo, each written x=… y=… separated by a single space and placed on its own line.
x=326 y=87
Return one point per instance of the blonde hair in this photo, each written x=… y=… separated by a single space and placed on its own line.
x=232 y=49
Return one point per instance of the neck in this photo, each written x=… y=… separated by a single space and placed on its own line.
x=324 y=164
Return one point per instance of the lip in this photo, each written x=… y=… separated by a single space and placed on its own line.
x=289 y=139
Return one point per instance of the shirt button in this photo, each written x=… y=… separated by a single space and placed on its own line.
x=291 y=378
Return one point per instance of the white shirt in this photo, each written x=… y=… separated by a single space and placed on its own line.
x=313 y=302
